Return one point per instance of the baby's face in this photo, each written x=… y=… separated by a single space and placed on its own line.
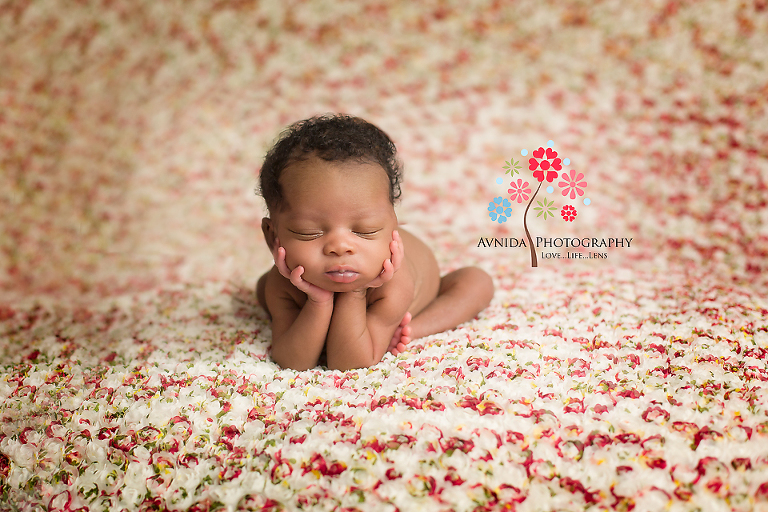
x=336 y=222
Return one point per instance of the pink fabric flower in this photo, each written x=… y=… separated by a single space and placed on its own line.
x=540 y=163
x=519 y=191
x=572 y=184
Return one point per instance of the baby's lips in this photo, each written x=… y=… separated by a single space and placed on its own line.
x=342 y=274
x=341 y=268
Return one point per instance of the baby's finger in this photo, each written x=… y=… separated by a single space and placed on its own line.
x=397 y=249
x=387 y=272
x=384 y=276
x=296 y=279
x=280 y=263
x=279 y=258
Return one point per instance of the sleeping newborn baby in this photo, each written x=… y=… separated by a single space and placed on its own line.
x=348 y=285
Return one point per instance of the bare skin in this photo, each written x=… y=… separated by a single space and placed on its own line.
x=347 y=282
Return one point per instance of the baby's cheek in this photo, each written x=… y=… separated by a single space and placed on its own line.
x=295 y=256
x=384 y=253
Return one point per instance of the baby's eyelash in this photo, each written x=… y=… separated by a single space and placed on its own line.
x=305 y=235
x=314 y=235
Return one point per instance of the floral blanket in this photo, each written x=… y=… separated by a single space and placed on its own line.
x=605 y=162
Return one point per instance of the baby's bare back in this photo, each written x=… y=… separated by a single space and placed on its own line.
x=421 y=265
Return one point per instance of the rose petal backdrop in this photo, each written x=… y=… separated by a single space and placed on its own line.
x=135 y=364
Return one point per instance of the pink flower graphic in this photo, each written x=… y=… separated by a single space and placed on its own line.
x=568 y=213
x=539 y=164
x=572 y=184
x=519 y=192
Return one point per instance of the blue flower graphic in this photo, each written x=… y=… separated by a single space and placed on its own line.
x=499 y=210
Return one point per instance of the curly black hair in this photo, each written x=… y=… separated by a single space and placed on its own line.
x=334 y=138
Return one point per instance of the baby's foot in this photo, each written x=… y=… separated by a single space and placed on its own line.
x=401 y=338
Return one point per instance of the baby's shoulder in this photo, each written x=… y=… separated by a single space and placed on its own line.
x=422 y=269
x=415 y=249
x=419 y=258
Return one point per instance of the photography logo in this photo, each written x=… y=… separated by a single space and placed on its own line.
x=547 y=166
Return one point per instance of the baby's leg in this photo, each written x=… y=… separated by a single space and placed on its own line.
x=463 y=294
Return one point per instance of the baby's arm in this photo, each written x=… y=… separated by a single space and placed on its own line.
x=359 y=337
x=359 y=334
x=298 y=333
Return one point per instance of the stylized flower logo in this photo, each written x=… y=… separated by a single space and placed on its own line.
x=544 y=164
x=568 y=213
x=499 y=210
x=540 y=163
x=519 y=192
x=572 y=184
x=512 y=167
x=545 y=208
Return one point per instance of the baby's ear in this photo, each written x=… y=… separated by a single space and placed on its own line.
x=270 y=233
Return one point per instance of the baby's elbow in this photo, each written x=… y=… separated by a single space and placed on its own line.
x=287 y=361
x=357 y=364
x=292 y=366
x=346 y=367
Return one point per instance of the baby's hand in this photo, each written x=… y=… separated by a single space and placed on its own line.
x=392 y=264
x=314 y=293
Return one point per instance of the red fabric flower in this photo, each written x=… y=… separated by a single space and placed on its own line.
x=540 y=163
x=568 y=213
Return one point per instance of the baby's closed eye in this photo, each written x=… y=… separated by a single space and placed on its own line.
x=306 y=235
x=367 y=233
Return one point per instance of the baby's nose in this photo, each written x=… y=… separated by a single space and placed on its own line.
x=339 y=243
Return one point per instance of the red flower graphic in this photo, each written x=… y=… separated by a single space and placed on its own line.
x=519 y=192
x=539 y=164
x=568 y=213
x=572 y=184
